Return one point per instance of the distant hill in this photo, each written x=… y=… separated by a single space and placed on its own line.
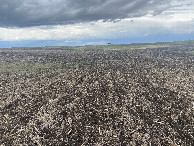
x=183 y=42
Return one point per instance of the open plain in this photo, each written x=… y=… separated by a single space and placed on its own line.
x=97 y=95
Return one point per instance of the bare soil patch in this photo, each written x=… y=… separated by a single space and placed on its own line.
x=97 y=97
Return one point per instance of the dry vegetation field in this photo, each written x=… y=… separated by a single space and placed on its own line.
x=97 y=96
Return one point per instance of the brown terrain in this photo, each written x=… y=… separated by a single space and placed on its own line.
x=97 y=96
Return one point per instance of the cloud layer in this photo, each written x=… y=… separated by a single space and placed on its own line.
x=80 y=22
x=27 y=13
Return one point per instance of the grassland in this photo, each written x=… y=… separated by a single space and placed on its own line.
x=113 y=47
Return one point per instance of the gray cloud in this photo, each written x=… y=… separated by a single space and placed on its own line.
x=25 y=13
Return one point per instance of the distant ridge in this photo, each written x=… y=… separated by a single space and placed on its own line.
x=185 y=42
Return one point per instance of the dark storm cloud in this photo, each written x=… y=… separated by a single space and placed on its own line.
x=24 y=13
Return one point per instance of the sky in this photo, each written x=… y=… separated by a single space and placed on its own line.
x=29 y=23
